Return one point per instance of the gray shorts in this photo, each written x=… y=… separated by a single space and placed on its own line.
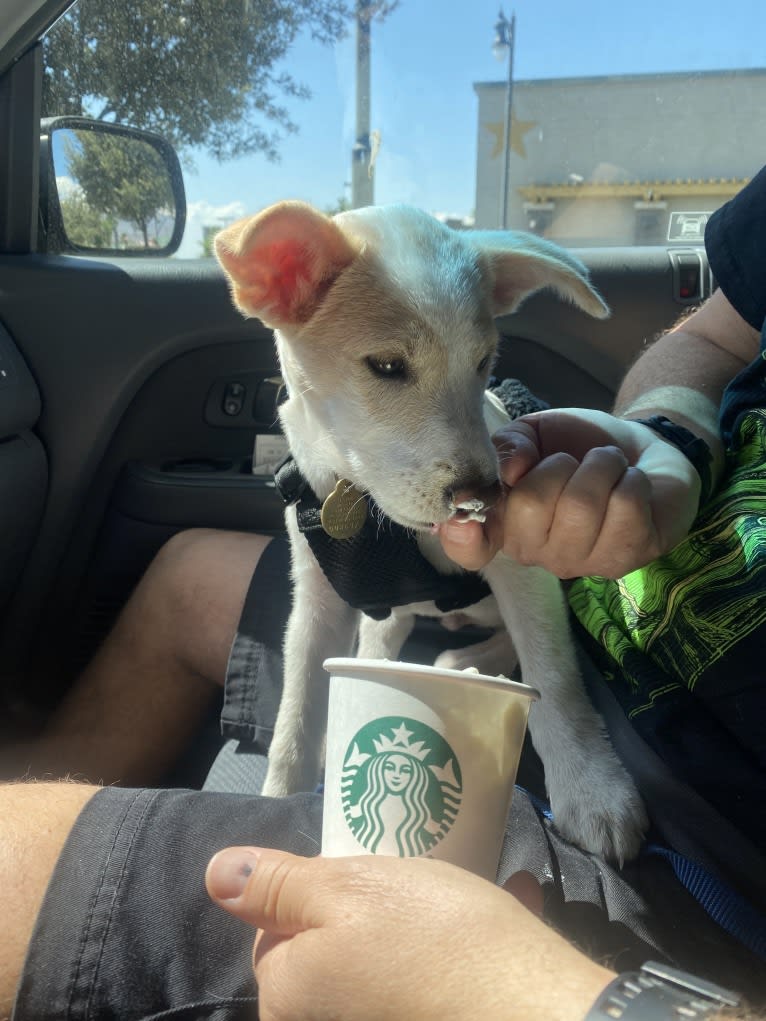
x=127 y=931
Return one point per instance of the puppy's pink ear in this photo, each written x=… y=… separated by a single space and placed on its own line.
x=281 y=262
x=524 y=263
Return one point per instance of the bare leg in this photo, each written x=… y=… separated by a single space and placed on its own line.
x=135 y=707
x=35 y=820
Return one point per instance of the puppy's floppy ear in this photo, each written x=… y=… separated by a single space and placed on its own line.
x=524 y=263
x=281 y=262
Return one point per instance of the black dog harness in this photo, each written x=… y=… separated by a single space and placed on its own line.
x=381 y=566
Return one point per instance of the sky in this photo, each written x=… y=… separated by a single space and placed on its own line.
x=426 y=58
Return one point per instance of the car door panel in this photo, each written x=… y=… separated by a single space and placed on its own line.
x=95 y=335
x=167 y=468
x=23 y=465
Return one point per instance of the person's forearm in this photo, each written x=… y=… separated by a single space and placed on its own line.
x=647 y=390
x=684 y=374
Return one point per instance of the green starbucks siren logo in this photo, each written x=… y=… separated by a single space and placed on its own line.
x=401 y=787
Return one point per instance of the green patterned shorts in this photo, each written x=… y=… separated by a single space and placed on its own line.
x=694 y=619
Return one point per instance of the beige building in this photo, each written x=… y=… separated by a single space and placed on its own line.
x=620 y=160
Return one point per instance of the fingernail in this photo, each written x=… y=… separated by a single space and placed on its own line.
x=229 y=871
x=459 y=534
x=618 y=450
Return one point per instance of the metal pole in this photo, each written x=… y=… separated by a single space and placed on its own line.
x=508 y=127
x=361 y=179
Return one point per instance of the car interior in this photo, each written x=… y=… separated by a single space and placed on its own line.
x=131 y=390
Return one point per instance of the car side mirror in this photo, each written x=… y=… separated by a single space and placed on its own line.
x=109 y=189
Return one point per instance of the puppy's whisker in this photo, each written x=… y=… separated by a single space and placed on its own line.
x=355 y=504
x=379 y=519
x=318 y=442
x=384 y=522
x=309 y=837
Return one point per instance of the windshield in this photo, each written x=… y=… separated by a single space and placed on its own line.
x=590 y=123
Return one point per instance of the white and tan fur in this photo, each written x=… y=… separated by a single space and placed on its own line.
x=381 y=286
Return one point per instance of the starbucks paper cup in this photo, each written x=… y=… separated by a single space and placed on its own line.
x=421 y=761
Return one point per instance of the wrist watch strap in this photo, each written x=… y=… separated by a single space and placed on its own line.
x=659 y=993
x=694 y=447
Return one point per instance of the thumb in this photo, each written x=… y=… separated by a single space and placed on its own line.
x=518 y=448
x=466 y=543
x=269 y=889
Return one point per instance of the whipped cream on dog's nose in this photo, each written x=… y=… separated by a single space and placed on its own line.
x=469 y=510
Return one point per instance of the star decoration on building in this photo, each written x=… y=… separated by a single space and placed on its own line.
x=518 y=130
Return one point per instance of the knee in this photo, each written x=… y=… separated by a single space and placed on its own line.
x=199 y=579
x=175 y=572
x=183 y=551
x=189 y=563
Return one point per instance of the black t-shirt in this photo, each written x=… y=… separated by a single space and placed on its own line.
x=735 y=240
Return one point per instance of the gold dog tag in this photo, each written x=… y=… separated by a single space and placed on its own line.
x=344 y=512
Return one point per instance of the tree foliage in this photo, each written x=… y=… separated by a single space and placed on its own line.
x=123 y=178
x=85 y=225
x=202 y=73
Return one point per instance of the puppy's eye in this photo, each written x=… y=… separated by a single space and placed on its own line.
x=483 y=364
x=388 y=368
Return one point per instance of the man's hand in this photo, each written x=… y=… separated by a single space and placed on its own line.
x=587 y=493
x=352 y=939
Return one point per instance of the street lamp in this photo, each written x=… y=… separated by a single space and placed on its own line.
x=505 y=36
x=361 y=171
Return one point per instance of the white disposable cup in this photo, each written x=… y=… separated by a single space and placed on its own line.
x=421 y=761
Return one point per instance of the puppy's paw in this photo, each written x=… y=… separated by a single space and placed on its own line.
x=457 y=659
x=494 y=656
x=601 y=811
x=275 y=785
x=290 y=771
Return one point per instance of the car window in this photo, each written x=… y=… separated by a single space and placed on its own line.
x=628 y=126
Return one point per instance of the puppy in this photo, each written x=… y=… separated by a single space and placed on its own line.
x=384 y=326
